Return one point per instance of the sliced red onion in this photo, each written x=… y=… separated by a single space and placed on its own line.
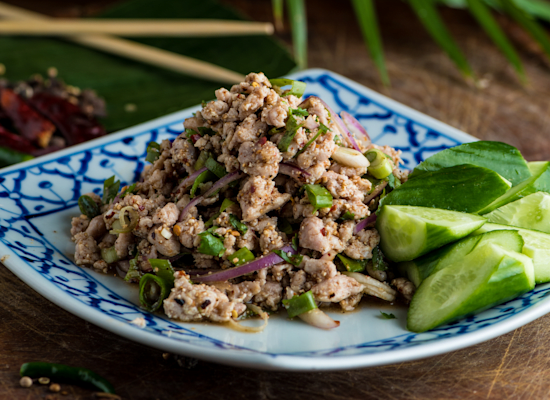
x=202 y=271
x=343 y=130
x=319 y=319
x=291 y=169
x=377 y=191
x=226 y=180
x=355 y=128
x=253 y=266
x=178 y=256
x=190 y=179
x=364 y=223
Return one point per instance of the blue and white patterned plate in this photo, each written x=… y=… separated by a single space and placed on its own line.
x=38 y=199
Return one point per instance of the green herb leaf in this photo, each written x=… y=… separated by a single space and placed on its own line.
x=292 y=127
x=130 y=190
x=318 y=196
x=88 y=206
x=387 y=316
x=278 y=13
x=299 y=111
x=348 y=216
x=215 y=167
x=378 y=262
x=225 y=204
x=110 y=189
x=206 y=176
x=393 y=182
x=322 y=130
x=153 y=152
x=295 y=259
x=295 y=242
x=298 y=88
x=211 y=245
x=366 y=16
x=203 y=130
x=201 y=160
x=238 y=225
x=284 y=226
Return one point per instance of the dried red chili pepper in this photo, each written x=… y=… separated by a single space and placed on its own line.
x=75 y=126
x=15 y=142
x=27 y=121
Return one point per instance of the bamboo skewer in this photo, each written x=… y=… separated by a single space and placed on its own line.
x=136 y=51
x=136 y=27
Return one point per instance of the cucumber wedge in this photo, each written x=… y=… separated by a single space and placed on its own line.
x=530 y=212
x=536 y=245
x=487 y=276
x=422 y=267
x=502 y=158
x=407 y=232
x=465 y=188
x=538 y=182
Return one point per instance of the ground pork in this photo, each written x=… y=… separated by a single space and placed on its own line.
x=259 y=196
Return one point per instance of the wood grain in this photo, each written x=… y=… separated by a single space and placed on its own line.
x=515 y=365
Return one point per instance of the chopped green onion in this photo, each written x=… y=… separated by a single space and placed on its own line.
x=322 y=130
x=352 y=265
x=242 y=256
x=387 y=316
x=338 y=140
x=226 y=203
x=130 y=190
x=300 y=304
x=284 y=226
x=109 y=255
x=298 y=88
x=292 y=127
x=123 y=224
x=152 y=291
x=295 y=259
x=211 y=245
x=238 y=225
x=215 y=167
x=348 y=216
x=163 y=269
x=274 y=131
x=378 y=260
x=203 y=130
x=134 y=273
x=299 y=111
x=318 y=196
x=203 y=156
x=88 y=206
x=380 y=165
x=110 y=189
x=203 y=177
x=153 y=152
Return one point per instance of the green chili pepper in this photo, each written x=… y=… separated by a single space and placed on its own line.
x=242 y=256
x=67 y=374
x=110 y=189
x=10 y=157
x=134 y=273
x=352 y=265
x=380 y=165
x=88 y=206
x=292 y=127
x=318 y=196
x=211 y=245
x=203 y=156
x=109 y=255
x=284 y=226
x=238 y=225
x=163 y=269
x=153 y=152
x=204 y=177
x=322 y=130
x=338 y=140
x=298 y=88
x=152 y=291
x=215 y=167
x=300 y=304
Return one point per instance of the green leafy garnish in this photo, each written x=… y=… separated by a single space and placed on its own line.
x=238 y=225
x=378 y=260
x=387 y=316
x=88 y=206
x=225 y=204
x=201 y=160
x=295 y=242
x=292 y=127
x=294 y=259
x=284 y=226
x=298 y=111
x=318 y=196
x=322 y=130
x=298 y=88
x=153 y=152
x=348 y=216
x=203 y=177
x=211 y=245
x=203 y=130
x=130 y=190
x=110 y=189
x=393 y=182
x=215 y=167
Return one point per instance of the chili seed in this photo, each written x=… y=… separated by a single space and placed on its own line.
x=206 y=303
x=44 y=380
x=25 y=382
x=54 y=387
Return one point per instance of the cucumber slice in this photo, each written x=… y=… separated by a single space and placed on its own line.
x=407 y=232
x=502 y=158
x=539 y=182
x=537 y=246
x=419 y=269
x=530 y=212
x=489 y=275
x=466 y=188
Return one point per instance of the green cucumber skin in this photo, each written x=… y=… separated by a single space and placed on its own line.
x=541 y=260
x=465 y=188
x=539 y=216
x=537 y=183
x=510 y=276
x=500 y=157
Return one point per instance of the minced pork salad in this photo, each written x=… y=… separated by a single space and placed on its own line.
x=266 y=201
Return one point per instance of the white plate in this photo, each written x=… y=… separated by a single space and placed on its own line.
x=38 y=199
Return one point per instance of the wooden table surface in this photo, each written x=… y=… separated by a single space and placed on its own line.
x=515 y=365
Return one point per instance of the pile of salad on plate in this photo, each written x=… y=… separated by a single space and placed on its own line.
x=270 y=201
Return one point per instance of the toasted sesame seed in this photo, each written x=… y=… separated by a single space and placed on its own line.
x=25 y=382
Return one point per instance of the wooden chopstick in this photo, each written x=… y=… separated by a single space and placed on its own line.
x=136 y=51
x=136 y=27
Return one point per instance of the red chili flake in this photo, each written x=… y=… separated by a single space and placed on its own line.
x=262 y=141
x=333 y=208
x=253 y=189
x=28 y=122
x=323 y=231
x=195 y=137
x=141 y=208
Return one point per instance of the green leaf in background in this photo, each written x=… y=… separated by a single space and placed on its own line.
x=278 y=13
x=298 y=23
x=483 y=15
x=153 y=91
x=366 y=17
x=427 y=13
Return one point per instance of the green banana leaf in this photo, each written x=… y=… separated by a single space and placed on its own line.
x=153 y=91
